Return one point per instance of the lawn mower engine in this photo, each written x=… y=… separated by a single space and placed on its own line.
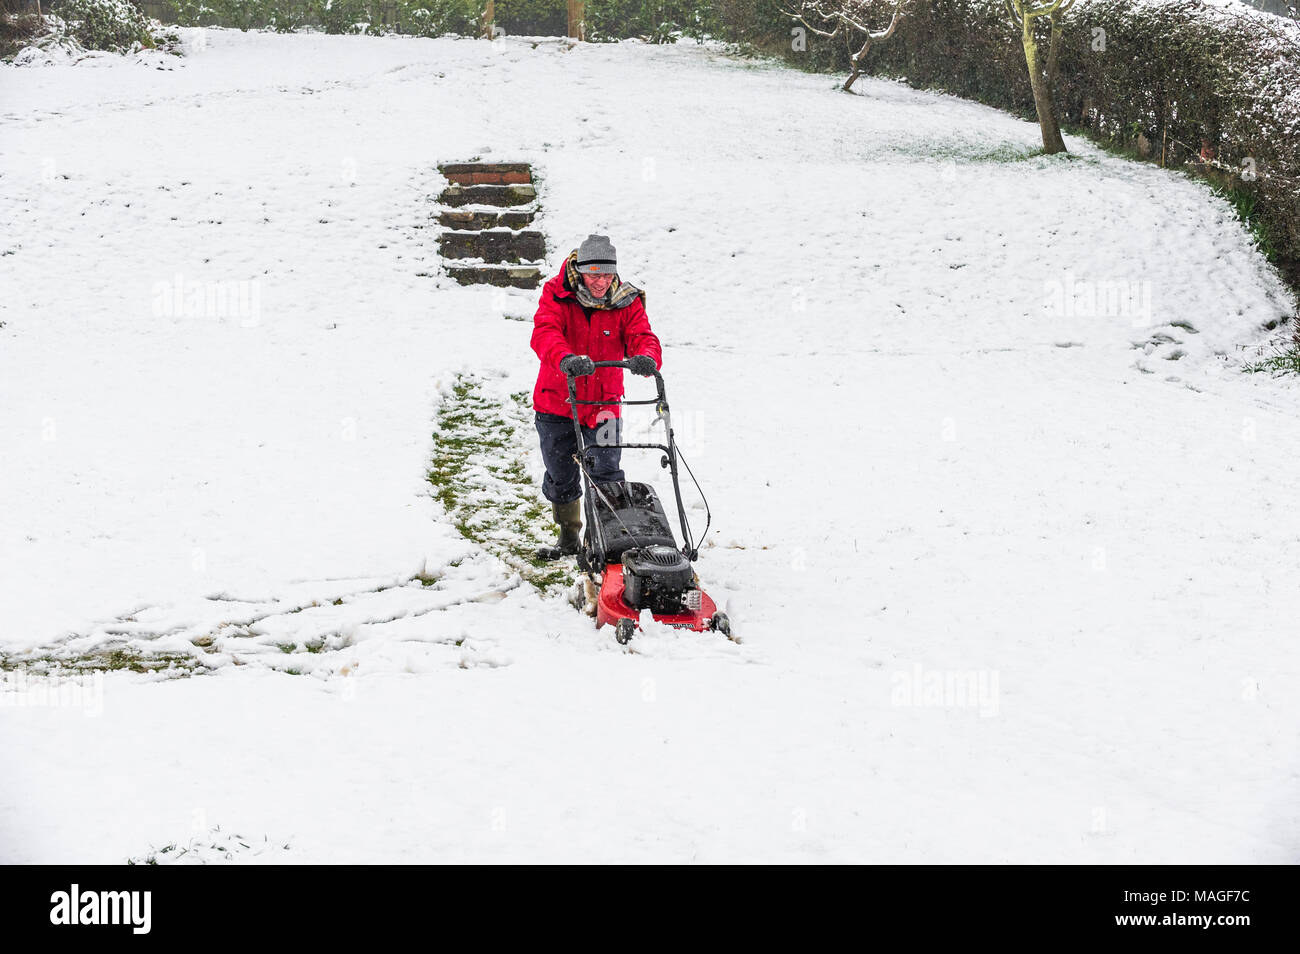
x=660 y=579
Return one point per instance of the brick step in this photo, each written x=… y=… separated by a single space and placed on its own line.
x=514 y=276
x=502 y=195
x=478 y=221
x=487 y=173
x=502 y=246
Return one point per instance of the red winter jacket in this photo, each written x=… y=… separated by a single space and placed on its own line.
x=561 y=328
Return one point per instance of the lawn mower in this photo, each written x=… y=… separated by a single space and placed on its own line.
x=628 y=553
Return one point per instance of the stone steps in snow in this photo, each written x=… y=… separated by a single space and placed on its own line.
x=495 y=246
x=495 y=195
x=485 y=213
x=479 y=221
x=513 y=276
x=487 y=173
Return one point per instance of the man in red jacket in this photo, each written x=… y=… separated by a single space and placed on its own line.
x=585 y=315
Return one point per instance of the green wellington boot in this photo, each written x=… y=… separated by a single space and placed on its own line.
x=569 y=517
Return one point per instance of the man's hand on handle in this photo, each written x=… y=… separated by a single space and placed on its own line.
x=577 y=365
x=642 y=364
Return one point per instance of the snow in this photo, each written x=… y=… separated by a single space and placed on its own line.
x=1011 y=554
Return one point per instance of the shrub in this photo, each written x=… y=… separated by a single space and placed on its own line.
x=658 y=22
x=191 y=13
x=342 y=16
x=436 y=17
x=533 y=17
x=17 y=30
x=113 y=25
x=286 y=16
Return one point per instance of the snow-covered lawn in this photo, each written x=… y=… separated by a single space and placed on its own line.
x=966 y=419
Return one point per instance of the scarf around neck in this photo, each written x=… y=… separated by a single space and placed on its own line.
x=619 y=294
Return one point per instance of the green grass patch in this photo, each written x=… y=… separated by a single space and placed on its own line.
x=1284 y=359
x=479 y=477
x=962 y=152
x=1005 y=153
x=101 y=659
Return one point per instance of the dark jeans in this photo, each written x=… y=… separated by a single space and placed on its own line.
x=563 y=481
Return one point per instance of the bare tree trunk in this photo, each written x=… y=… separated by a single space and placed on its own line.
x=489 y=19
x=1052 y=141
x=855 y=61
x=1053 y=65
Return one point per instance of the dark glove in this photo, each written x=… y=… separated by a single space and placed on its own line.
x=643 y=365
x=577 y=365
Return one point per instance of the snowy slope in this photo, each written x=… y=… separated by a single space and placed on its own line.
x=957 y=411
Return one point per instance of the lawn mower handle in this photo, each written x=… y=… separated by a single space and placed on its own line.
x=627 y=366
x=669 y=446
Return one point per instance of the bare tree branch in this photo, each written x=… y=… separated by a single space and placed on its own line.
x=847 y=16
x=834 y=33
